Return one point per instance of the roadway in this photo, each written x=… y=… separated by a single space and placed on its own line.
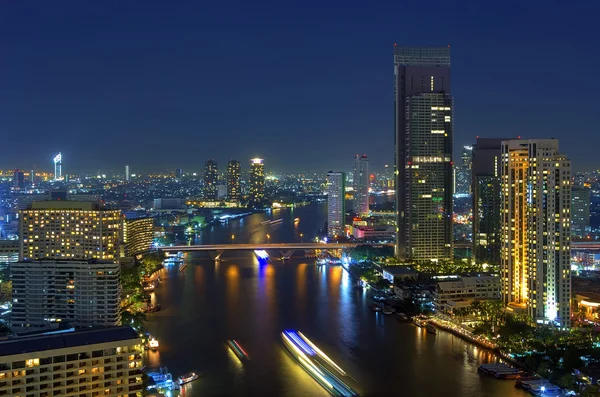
x=263 y=246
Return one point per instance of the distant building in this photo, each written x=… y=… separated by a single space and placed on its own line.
x=19 y=179
x=580 y=210
x=58 y=167
x=361 y=185
x=462 y=174
x=69 y=230
x=234 y=173
x=94 y=362
x=211 y=179
x=377 y=232
x=423 y=134
x=257 y=181
x=9 y=251
x=179 y=173
x=536 y=238
x=127 y=173
x=138 y=234
x=336 y=187
x=169 y=203
x=461 y=293
x=221 y=192
x=80 y=293
x=486 y=188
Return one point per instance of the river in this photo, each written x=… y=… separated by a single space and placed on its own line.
x=238 y=298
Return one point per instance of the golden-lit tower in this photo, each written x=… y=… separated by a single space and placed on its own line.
x=234 y=173
x=257 y=181
x=536 y=217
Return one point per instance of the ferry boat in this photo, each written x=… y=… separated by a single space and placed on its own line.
x=296 y=220
x=431 y=329
x=153 y=344
x=272 y=222
x=419 y=322
x=238 y=350
x=187 y=378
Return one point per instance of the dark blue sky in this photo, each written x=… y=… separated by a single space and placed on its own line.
x=306 y=85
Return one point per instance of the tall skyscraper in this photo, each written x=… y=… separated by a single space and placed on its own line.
x=580 y=210
x=535 y=256
x=211 y=179
x=127 y=173
x=486 y=188
x=80 y=293
x=336 y=191
x=69 y=230
x=234 y=173
x=19 y=179
x=423 y=137
x=361 y=185
x=58 y=167
x=257 y=181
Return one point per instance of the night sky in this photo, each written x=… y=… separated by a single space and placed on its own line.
x=306 y=85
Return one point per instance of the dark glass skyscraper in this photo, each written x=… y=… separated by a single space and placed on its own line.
x=234 y=172
x=486 y=186
x=211 y=178
x=423 y=137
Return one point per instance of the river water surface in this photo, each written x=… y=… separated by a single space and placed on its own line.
x=239 y=298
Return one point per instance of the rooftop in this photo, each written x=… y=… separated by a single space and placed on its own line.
x=31 y=344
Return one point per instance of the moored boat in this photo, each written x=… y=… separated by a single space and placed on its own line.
x=238 y=350
x=187 y=378
x=431 y=329
x=401 y=317
x=419 y=322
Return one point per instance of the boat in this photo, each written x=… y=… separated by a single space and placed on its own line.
x=419 y=322
x=182 y=266
x=161 y=380
x=187 y=378
x=153 y=344
x=401 y=317
x=431 y=329
x=238 y=350
x=296 y=220
x=546 y=389
x=387 y=310
x=376 y=307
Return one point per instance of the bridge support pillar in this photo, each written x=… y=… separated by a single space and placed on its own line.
x=285 y=255
x=216 y=255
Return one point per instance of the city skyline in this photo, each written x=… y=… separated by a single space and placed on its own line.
x=94 y=88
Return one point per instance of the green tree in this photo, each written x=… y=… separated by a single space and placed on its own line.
x=572 y=359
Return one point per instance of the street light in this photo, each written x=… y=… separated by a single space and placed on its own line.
x=301 y=235
x=232 y=238
x=268 y=238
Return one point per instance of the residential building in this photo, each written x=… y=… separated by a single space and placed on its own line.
x=80 y=293
x=486 y=188
x=9 y=251
x=94 y=362
x=336 y=192
x=536 y=238
x=19 y=179
x=69 y=230
x=234 y=173
x=361 y=185
x=423 y=137
x=580 y=210
x=462 y=292
x=211 y=179
x=138 y=234
x=256 y=194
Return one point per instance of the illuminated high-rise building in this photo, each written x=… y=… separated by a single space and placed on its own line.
x=361 y=185
x=336 y=191
x=58 y=167
x=536 y=221
x=69 y=230
x=211 y=179
x=257 y=182
x=462 y=172
x=423 y=137
x=234 y=173
x=127 y=173
x=138 y=234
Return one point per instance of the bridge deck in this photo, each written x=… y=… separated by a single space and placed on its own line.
x=266 y=246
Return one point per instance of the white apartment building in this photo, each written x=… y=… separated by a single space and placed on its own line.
x=462 y=292
x=96 y=362
x=536 y=230
x=80 y=293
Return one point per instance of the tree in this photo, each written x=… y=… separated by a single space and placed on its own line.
x=567 y=381
x=572 y=359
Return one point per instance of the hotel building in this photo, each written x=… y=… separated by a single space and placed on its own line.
x=137 y=235
x=89 y=363
x=536 y=221
x=69 y=230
